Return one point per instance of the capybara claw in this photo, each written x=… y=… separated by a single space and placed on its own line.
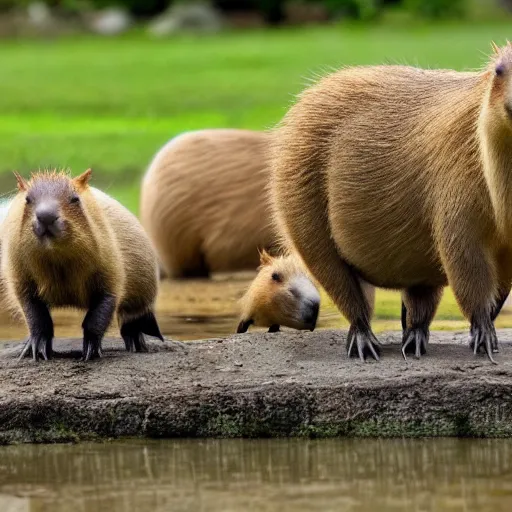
x=415 y=342
x=484 y=337
x=35 y=348
x=364 y=342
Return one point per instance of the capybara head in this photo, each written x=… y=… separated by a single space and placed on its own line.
x=501 y=91
x=52 y=209
x=281 y=294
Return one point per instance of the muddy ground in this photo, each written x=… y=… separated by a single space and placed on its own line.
x=256 y=385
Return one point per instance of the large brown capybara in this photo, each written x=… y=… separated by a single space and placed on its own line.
x=402 y=177
x=66 y=244
x=204 y=202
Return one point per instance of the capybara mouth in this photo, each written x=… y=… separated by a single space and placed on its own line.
x=44 y=233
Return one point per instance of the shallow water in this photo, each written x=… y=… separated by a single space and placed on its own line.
x=259 y=475
x=186 y=310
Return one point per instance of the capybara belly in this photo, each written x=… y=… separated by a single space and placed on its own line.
x=383 y=252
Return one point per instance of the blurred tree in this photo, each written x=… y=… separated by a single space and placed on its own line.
x=142 y=8
x=272 y=10
x=436 y=8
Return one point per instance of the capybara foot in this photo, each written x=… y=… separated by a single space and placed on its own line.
x=274 y=328
x=483 y=335
x=133 y=332
x=415 y=341
x=362 y=342
x=91 y=348
x=35 y=347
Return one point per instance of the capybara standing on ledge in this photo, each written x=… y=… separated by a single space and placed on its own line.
x=204 y=203
x=66 y=244
x=403 y=177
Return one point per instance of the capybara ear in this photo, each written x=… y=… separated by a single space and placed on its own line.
x=81 y=181
x=22 y=184
x=244 y=325
x=265 y=258
x=495 y=47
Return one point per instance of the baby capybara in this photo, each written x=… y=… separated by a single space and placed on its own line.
x=66 y=244
x=281 y=294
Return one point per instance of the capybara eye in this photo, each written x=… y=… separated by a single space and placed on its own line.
x=28 y=200
x=500 y=70
x=277 y=277
x=74 y=199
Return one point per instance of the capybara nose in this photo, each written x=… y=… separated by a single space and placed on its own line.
x=46 y=216
x=311 y=316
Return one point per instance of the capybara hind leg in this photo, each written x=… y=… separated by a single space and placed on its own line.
x=194 y=267
x=133 y=332
x=420 y=304
x=465 y=259
x=96 y=322
x=40 y=325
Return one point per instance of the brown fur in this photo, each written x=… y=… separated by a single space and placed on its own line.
x=401 y=176
x=271 y=302
x=103 y=249
x=203 y=202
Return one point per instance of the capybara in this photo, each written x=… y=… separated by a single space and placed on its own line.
x=401 y=176
x=66 y=244
x=281 y=294
x=204 y=203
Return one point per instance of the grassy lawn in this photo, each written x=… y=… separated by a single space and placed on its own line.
x=111 y=103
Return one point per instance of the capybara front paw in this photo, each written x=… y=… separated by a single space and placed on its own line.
x=483 y=336
x=363 y=343
x=36 y=347
x=415 y=341
x=91 y=350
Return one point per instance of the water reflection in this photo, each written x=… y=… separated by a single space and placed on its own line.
x=263 y=475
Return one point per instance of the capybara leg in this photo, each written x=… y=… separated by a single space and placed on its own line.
x=503 y=293
x=133 y=337
x=420 y=305
x=472 y=277
x=243 y=326
x=403 y=317
x=133 y=332
x=346 y=290
x=274 y=328
x=95 y=324
x=195 y=267
x=302 y=209
x=40 y=325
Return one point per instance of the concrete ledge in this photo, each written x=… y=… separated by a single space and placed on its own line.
x=257 y=385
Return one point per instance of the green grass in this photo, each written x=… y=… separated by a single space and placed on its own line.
x=110 y=104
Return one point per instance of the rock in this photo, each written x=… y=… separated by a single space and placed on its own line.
x=319 y=392
x=39 y=15
x=109 y=22
x=182 y=17
x=37 y=20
